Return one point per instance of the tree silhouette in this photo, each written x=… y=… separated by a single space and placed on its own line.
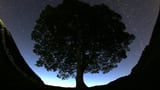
x=75 y=38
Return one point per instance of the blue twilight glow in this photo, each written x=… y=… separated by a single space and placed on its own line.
x=138 y=15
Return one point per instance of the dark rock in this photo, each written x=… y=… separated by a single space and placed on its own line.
x=15 y=73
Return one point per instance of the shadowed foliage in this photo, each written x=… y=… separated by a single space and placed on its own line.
x=75 y=38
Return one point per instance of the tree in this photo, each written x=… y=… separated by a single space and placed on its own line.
x=75 y=38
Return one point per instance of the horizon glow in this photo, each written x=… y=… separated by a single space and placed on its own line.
x=139 y=17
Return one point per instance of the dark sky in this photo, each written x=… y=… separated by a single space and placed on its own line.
x=139 y=17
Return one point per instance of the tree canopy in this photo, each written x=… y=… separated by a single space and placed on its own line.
x=75 y=38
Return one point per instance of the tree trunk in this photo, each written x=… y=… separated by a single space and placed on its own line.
x=79 y=78
x=80 y=70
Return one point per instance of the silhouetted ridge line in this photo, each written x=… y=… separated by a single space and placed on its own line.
x=14 y=70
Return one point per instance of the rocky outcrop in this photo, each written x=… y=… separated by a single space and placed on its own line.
x=146 y=73
x=15 y=73
x=147 y=70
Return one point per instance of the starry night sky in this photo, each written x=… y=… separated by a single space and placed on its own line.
x=139 y=17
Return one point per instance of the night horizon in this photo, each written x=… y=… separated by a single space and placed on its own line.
x=139 y=19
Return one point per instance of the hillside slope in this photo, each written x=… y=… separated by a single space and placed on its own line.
x=14 y=70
